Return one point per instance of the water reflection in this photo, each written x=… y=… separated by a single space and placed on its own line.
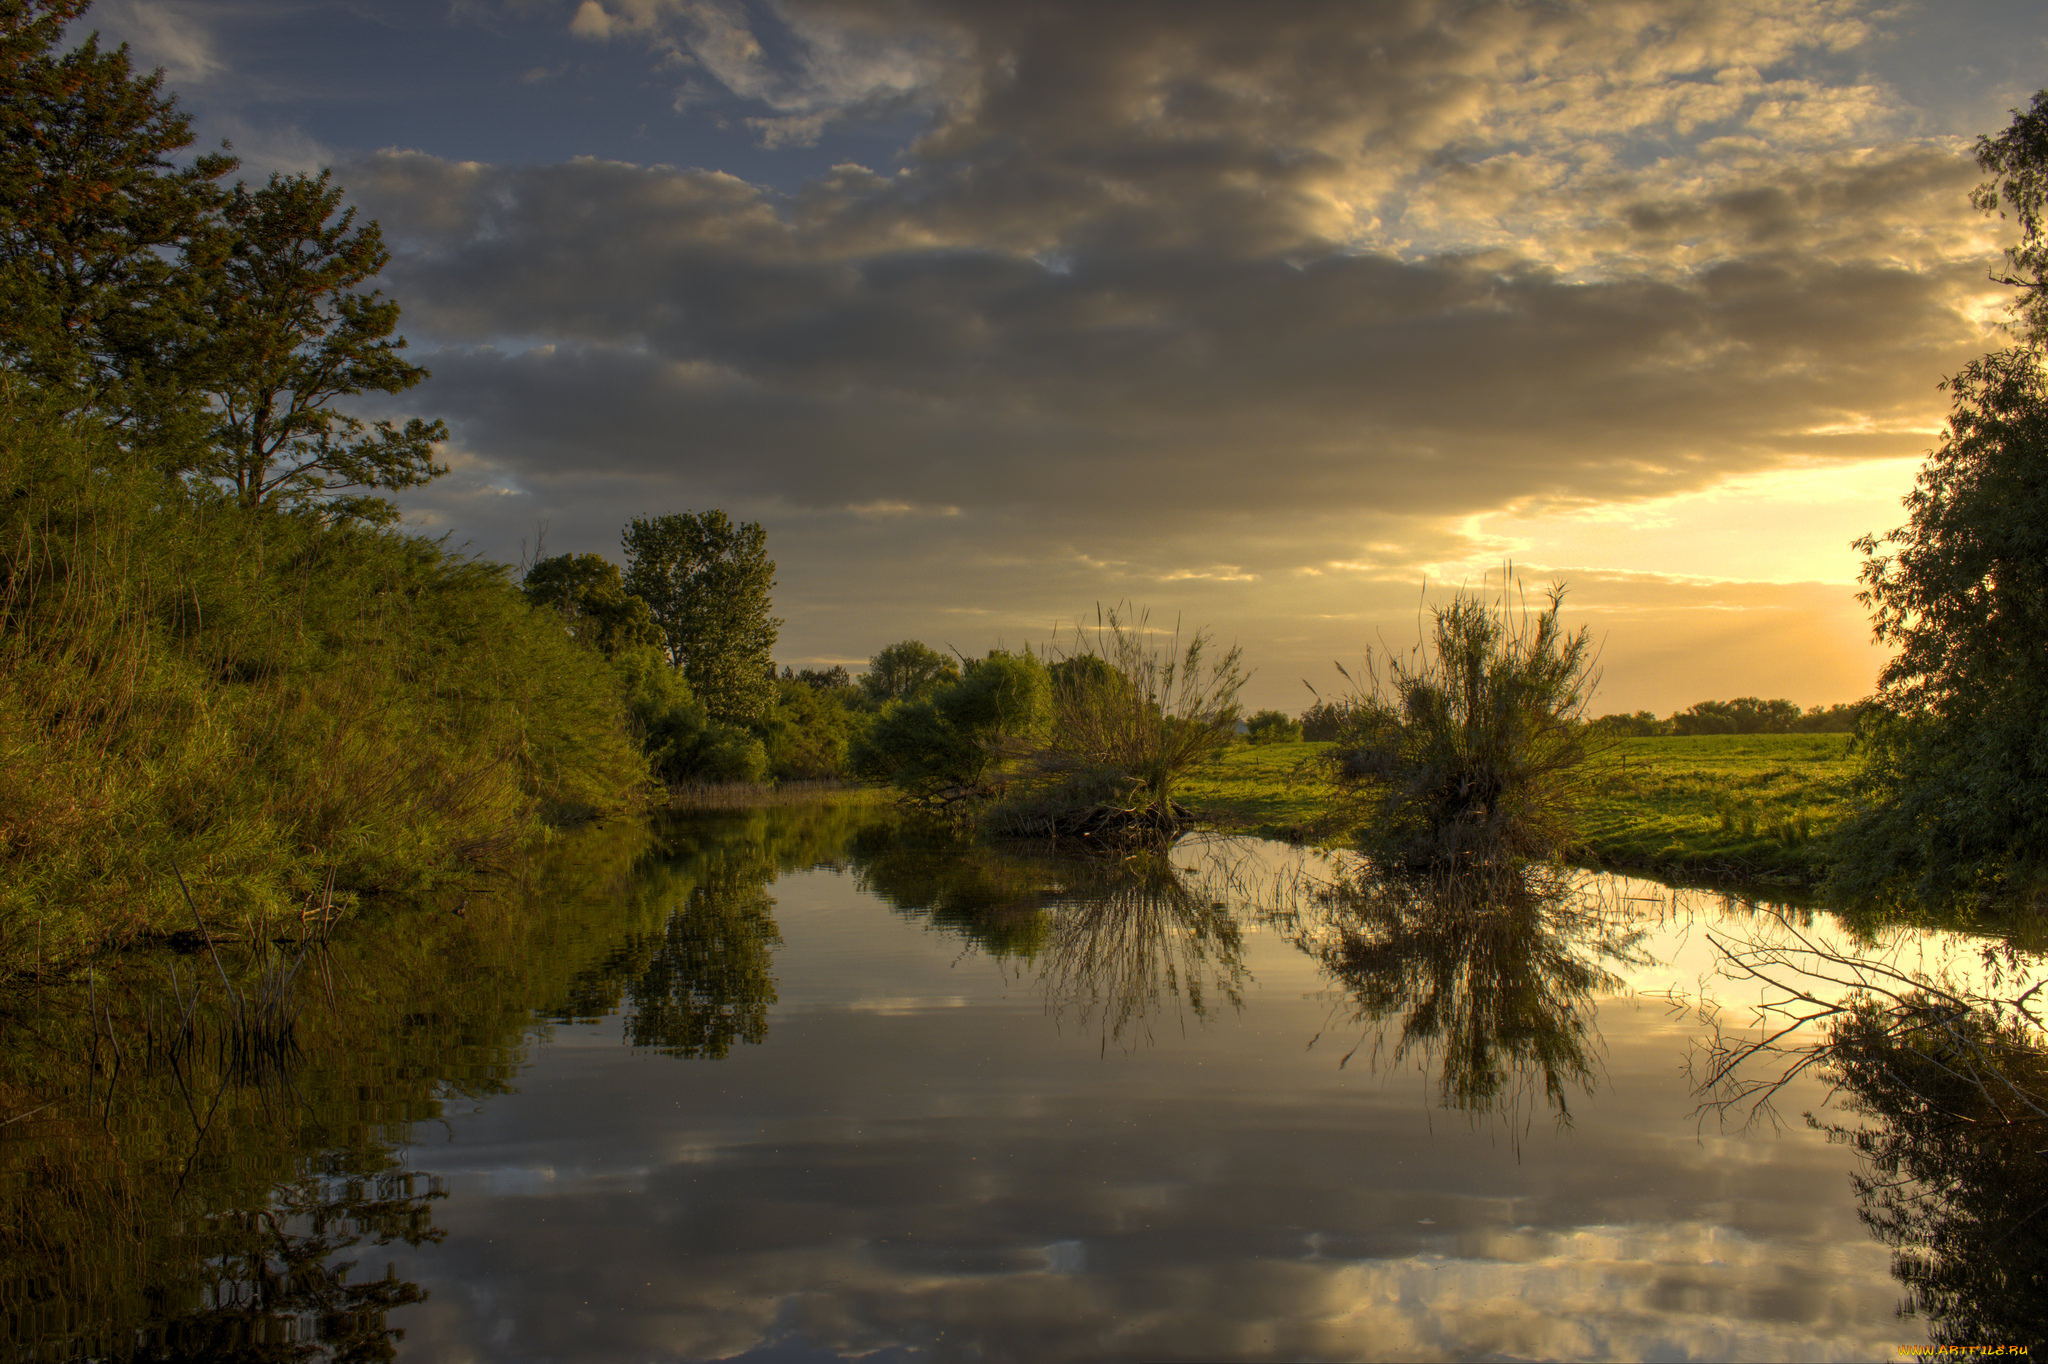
x=700 y=981
x=1487 y=980
x=944 y=1174
x=1946 y=1065
x=1114 y=941
x=1131 y=937
x=274 y=1283
x=1956 y=1152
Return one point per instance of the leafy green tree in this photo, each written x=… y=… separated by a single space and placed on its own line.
x=1956 y=775
x=908 y=670
x=807 y=730
x=1272 y=727
x=683 y=743
x=95 y=206
x=947 y=744
x=1743 y=715
x=833 y=679
x=1642 y=724
x=289 y=333
x=591 y=596
x=708 y=582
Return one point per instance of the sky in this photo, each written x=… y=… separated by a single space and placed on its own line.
x=1277 y=320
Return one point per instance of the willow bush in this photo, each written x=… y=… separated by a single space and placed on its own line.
x=258 y=698
x=1133 y=711
x=1467 y=751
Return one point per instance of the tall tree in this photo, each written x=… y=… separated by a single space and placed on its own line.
x=1958 y=776
x=708 y=582
x=291 y=333
x=910 y=669
x=94 y=207
x=591 y=596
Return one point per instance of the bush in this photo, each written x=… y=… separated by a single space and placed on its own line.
x=946 y=746
x=1272 y=727
x=809 y=730
x=1129 y=718
x=1323 y=721
x=1466 y=751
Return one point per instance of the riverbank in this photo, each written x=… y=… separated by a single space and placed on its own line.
x=1733 y=808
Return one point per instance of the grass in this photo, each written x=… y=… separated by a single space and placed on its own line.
x=263 y=703
x=1272 y=790
x=1726 y=807
x=1735 y=807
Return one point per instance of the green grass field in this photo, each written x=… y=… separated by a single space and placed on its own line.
x=1735 y=807
x=1755 y=806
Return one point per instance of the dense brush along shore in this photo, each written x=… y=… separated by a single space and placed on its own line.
x=272 y=705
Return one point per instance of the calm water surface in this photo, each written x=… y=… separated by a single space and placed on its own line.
x=797 y=1086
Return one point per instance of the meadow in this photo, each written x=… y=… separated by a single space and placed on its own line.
x=1723 y=807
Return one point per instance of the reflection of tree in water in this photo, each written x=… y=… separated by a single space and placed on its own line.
x=1957 y=1162
x=274 y=1287
x=1115 y=939
x=1132 y=934
x=698 y=983
x=1489 y=979
x=993 y=898
x=1950 y=1074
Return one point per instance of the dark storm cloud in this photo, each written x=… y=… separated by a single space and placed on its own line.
x=690 y=322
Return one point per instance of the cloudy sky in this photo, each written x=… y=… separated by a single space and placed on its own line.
x=1270 y=317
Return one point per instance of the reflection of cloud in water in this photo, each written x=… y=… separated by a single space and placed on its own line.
x=953 y=1182
x=1683 y=1291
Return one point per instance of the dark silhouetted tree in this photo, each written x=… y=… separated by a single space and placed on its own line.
x=1957 y=775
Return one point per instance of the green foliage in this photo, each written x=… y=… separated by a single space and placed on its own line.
x=683 y=743
x=1131 y=717
x=588 y=593
x=809 y=730
x=258 y=698
x=1467 y=752
x=1744 y=715
x=286 y=331
x=1273 y=727
x=2017 y=160
x=96 y=205
x=1641 y=724
x=907 y=671
x=949 y=743
x=1957 y=774
x=708 y=582
x=1323 y=721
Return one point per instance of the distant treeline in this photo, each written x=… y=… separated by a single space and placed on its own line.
x=1744 y=715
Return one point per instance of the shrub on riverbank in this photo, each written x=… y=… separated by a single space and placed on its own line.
x=258 y=697
x=1468 y=750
